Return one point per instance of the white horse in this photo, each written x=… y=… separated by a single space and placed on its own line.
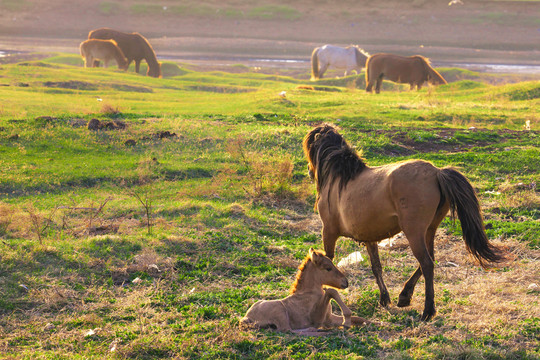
x=349 y=58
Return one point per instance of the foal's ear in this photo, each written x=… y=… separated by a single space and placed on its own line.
x=314 y=256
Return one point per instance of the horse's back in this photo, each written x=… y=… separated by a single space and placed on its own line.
x=414 y=189
x=338 y=56
x=267 y=314
x=370 y=206
x=98 y=48
x=404 y=69
x=130 y=43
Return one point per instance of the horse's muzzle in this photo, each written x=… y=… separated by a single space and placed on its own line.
x=344 y=283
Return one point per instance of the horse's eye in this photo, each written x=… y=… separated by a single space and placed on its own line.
x=328 y=269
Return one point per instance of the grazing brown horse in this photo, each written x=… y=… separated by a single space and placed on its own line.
x=105 y=50
x=308 y=307
x=369 y=204
x=412 y=70
x=134 y=46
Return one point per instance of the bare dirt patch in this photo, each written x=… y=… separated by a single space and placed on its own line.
x=408 y=145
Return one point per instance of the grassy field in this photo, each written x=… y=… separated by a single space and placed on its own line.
x=152 y=235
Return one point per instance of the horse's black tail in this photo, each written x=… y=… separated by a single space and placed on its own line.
x=463 y=201
x=315 y=64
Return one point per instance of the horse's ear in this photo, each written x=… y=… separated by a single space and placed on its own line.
x=311 y=254
x=314 y=256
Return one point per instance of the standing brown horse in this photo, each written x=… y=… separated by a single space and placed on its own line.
x=308 y=307
x=134 y=46
x=412 y=70
x=369 y=204
x=105 y=50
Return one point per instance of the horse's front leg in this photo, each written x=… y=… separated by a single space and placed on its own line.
x=332 y=293
x=373 y=251
x=137 y=65
x=329 y=237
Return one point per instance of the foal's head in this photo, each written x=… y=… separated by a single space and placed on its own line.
x=322 y=271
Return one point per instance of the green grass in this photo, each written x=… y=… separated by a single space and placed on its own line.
x=12 y=5
x=232 y=212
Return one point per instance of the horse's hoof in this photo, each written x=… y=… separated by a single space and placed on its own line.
x=426 y=316
x=403 y=302
x=385 y=301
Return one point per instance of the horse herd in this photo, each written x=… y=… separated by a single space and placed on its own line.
x=107 y=44
x=413 y=70
x=367 y=204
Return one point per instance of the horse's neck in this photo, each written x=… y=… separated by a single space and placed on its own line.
x=150 y=56
x=307 y=281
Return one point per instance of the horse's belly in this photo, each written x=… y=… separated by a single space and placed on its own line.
x=367 y=214
x=368 y=229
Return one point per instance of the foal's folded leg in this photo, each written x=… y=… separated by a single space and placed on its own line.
x=345 y=320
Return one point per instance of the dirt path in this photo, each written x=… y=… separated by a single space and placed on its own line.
x=485 y=32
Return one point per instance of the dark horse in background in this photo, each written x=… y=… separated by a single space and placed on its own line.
x=413 y=70
x=369 y=204
x=134 y=46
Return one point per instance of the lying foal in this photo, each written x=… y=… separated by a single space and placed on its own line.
x=308 y=307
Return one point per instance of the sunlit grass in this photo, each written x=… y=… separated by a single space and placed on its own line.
x=218 y=156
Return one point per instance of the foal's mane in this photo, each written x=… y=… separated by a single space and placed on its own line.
x=331 y=157
x=301 y=268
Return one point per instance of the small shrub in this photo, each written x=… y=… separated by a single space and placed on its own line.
x=110 y=110
x=6 y=218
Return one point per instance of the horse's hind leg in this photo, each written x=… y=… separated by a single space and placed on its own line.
x=378 y=85
x=417 y=241
x=322 y=70
x=376 y=267
x=408 y=289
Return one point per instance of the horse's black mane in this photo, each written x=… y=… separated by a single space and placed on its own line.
x=332 y=157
